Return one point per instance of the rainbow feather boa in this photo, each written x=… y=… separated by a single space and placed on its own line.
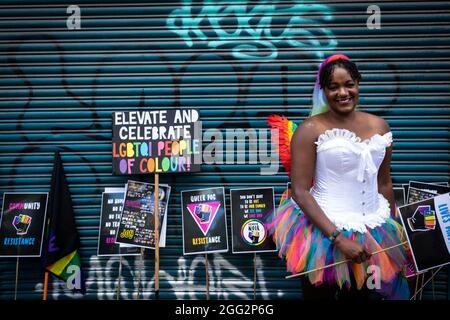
x=282 y=132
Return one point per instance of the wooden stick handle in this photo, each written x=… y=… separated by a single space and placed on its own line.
x=254 y=275
x=416 y=292
x=119 y=280
x=156 y=210
x=141 y=265
x=17 y=279
x=207 y=276
x=343 y=261
x=45 y=286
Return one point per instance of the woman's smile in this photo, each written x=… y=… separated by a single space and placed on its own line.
x=344 y=101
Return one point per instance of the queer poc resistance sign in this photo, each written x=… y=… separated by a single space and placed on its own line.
x=156 y=141
x=204 y=221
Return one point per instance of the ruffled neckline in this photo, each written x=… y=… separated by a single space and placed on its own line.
x=351 y=136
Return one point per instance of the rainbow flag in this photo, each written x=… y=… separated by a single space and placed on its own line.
x=430 y=219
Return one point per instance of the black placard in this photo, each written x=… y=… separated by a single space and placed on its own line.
x=204 y=221
x=250 y=208
x=415 y=195
x=111 y=211
x=22 y=224
x=137 y=223
x=430 y=188
x=434 y=187
x=156 y=141
x=427 y=226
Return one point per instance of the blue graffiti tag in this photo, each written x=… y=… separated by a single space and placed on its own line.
x=254 y=31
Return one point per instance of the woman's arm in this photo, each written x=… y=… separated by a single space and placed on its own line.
x=384 y=175
x=303 y=162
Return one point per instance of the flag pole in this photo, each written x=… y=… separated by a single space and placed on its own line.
x=423 y=287
x=119 y=280
x=45 y=285
x=44 y=296
x=141 y=263
x=17 y=279
x=421 y=291
x=254 y=275
x=417 y=286
x=432 y=287
x=156 y=236
x=207 y=276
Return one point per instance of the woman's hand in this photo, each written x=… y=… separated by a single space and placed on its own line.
x=351 y=249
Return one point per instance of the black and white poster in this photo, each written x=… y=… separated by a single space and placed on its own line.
x=204 y=221
x=137 y=222
x=111 y=211
x=415 y=195
x=156 y=141
x=249 y=209
x=22 y=224
x=434 y=189
x=427 y=226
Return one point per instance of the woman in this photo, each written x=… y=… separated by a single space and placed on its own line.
x=346 y=214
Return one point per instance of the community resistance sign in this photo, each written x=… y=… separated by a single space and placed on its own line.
x=427 y=225
x=249 y=209
x=156 y=141
x=137 y=223
x=204 y=221
x=111 y=212
x=22 y=224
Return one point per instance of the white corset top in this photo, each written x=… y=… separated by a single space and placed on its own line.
x=345 y=182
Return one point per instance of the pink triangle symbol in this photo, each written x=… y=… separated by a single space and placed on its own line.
x=204 y=213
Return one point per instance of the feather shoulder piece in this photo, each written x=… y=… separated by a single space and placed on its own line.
x=282 y=132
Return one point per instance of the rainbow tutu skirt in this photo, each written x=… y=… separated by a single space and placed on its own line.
x=306 y=248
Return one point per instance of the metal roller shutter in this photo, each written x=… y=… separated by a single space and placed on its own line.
x=237 y=62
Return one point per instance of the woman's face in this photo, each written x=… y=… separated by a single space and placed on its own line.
x=342 y=92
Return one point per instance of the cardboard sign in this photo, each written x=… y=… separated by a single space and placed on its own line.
x=156 y=141
x=427 y=226
x=137 y=222
x=22 y=224
x=249 y=210
x=204 y=221
x=111 y=212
